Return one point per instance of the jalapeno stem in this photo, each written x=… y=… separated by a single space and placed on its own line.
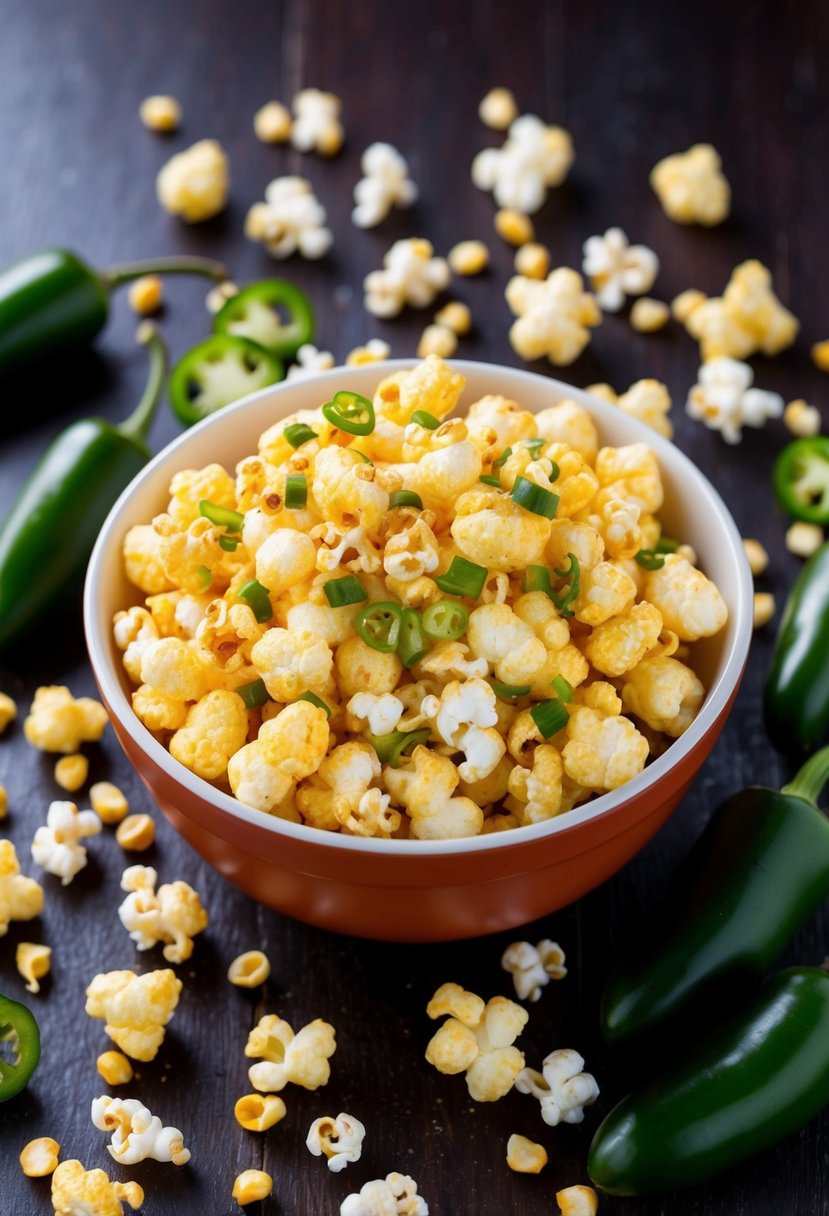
x=137 y=426
x=127 y=271
x=810 y=780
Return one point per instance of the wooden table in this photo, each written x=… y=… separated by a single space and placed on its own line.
x=78 y=170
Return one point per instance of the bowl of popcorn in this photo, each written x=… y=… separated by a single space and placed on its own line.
x=421 y=651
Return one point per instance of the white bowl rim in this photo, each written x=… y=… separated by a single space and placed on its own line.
x=716 y=699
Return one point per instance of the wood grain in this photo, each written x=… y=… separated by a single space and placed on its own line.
x=632 y=82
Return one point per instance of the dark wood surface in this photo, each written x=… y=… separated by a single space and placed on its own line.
x=632 y=83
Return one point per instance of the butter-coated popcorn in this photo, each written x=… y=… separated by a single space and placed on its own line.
x=194 y=183
x=394 y=1195
x=650 y=402
x=606 y=590
x=301 y=1058
x=538 y=788
x=562 y=1088
x=90 y=1192
x=57 y=847
x=135 y=1008
x=33 y=961
x=316 y=126
x=493 y=531
x=290 y=220
x=215 y=728
x=340 y=1140
x=533 y=158
x=477 y=1039
x=385 y=184
x=577 y=1201
x=532 y=967
x=525 y=1156
x=425 y=788
x=619 y=644
x=692 y=187
x=690 y=604
x=602 y=753
x=555 y=316
x=464 y=716
x=136 y=1133
x=724 y=400
x=664 y=693
x=411 y=275
x=21 y=898
x=617 y=269
x=567 y=422
x=142 y=559
x=172 y=914
x=747 y=318
x=59 y=723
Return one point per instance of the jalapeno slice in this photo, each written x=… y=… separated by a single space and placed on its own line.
x=379 y=625
x=273 y=313
x=411 y=645
x=19 y=1047
x=350 y=412
x=801 y=479
x=218 y=371
x=446 y=620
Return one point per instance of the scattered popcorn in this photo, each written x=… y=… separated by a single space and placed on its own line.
x=802 y=419
x=684 y=304
x=136 y=1008
x=554 y=316
x=533 y=158
x=374 y=351
x=647 y=315
x=692 y=187
x=647 y=400
x=80 y=1192
x=764 y=608
x=758 y=559
x=385 y=184
x=456 y=316
x=4 y=802
x=194 y=183
x=8 y=710
x=804 y=539
x=136 y=833
x=71 y=772
x=477 y=1039
x=411 y=275
x=310 y=362
x=498 y=109
x=21 y=898
x=249 y=970
x=173 y=914
x=437 y=340
x=532 y=260
x=33 y=962
x=219 y=295
x=146 y=295
x=251 y=1186
x=533 y=967
x=107 y=801
x=59 y=723
x=258 y=1112
x=300 y=1058
x=39 y=1158
x=562 y=1088
x=136 y=1133
x=820 y=355
x=468 y=258
x=396 y=1195
x=160 y=113
x=272 y=123
x=57 y=845
x=340 y=1140
x=577 y=1201
x=525 y=1156
x=114 y=1067
x=317 y=126
x=290 y=220
x=618 y=269
x=747 y=319
x=724 y=400
x=514 y=227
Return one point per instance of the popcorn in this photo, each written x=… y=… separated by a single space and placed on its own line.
x=59 y=723
x=664 y=693
x=317 y=126
x=114 y=1067
x=173 y=914
x=748 y=318
x=272 y=123
x=194 y=184
x=477 y=1039
x=764 y=608
x=562 y=1088
x=136 y=1008
x=310 y=362
x=533 y=158
x=21 y=898
x=684 y=304
x=437 y=340
x=724 y=400
x=758 y=559
x=539 y=788
x=802 y=419
x=396 y=1195
x=135 y=833
x=8 y=710
x=340 y=1140
x=71 y=772
x=464 y=716
x=647 y=316
x=374 y=351
x=33 y=962
x=136 y=1133
x=258 y=1112
x=691 y=186
x=251 y=1186
x=290 y=220
x=525 y=1156
x=617 y=269
x=554 y=316
x=425 y=788
x=77 y=1191
x=647 y=400
x=381 y=714
x=385 y=184
x=619 y=644
x=108 y=802
x=577 y=1201
x=602 y=753
x=39 y=1158
x=498 y=109
x=803 y=539
x=57 y=845
x=410 y=275
x=160 y=113
x=533 y=967
x=300 y=1058
x=249 y=970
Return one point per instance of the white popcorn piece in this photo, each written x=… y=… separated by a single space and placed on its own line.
x=532 y=967
x=309 y=362
x=21 y=898
x=172 y=914
x=340 y=1140
x=301 y=1058
x=381 y=712
x=411 y=275
x=385 y=184
x=533 y=158
x=394 y=1195
x=136 y=1133
x=724 y=400
x=464 y=716
x=57 y=846
x=477 y=1039
x=562 y=1088
x=290 y=220
x=555 y=316
x=317 y=126
x=617 y=269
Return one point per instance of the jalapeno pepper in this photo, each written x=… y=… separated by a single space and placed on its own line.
x=256 y=313
x=796 y=699
x=218 y=371
x=52 y=300
x=801 y=479
x=748 y=1084
x=759 y=869
x=19 y=1047
x=350 y=412
x=46 y=540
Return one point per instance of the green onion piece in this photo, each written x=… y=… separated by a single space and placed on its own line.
x=254 y=694
x=463 y=578
x=296 y=491
x=490 y=481
x=362 y=455
x=446 y=620
x=564 y=599
x=649 y=559
x=424 y=418
x=350 y=412
x=555 y=471
x=391 y=748
x=315 y=700
x=379 y=625
x=563 y=688
x=535 y=446
x=222 y=517
x=666 y=544
x=534 y=498
x=204 y=576
x=537 y=578
x=411 y=644
x=342 y=591
x=298 y=433
x=228 y=543
x=509 y=692
x=502 y=459
x=254 y=594
x=549 y=717
x=405 y=498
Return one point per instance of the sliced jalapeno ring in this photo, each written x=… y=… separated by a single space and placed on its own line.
x=350 y=412
x=19 y=1047
x=257 y=313
x=446 y=620
x=379 y=626
x=411 y=645
x=801 y=479
x=218 y=371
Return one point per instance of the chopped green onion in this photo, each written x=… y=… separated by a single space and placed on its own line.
x=256 y=596
x=649 y=559
x=509 y=692
x=405 y=498
x=537 y=578
x=555 y=471
x=535 y=446
x=350 y=412
x=534 y=498
x=490 y=481
x=342 y=591
x=315 y=700
x=411 y=645
x=298 y=433
x=296 y=491
x=362 y=455
x=204 y=576
x=666 y=544
x=463 y=578
x=563 y=688
x=392 y=747
x=549 y=717
x=228 y=543
x=379 y=626
x=502 y=459
x=254 y=694
x=222 y=517
x=446 y=620
x=564 y=599
x=425 y=419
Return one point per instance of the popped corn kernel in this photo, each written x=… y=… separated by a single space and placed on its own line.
x=468 y=257
x=374 y=351
x=477 y=1039
x=525 y=1156
x=8 y=710
x=21 y=898
x=136 y=1133
x=136 y=833
x=758 y=558
x=802 y=419
x=617 y=645
x=194 y=183
x=135 y=1008
x=80 y=1192
x=577 y=1201
x=692 y=187
x=555 y=316
x=804 y=539
x=33 y=962
x=410 y=275
x=300 y=1058
x=114 y=1067
x=464 y=717
x=272 y=123
x=532 y=967
x=664 y=693
x=514 y=227
x=57 y=847
x=172 y=914
x=820 y=355
x=385 y=184
x=437 y=340
x=690 y=604
x=684 y=304
x=724 y=400
x=533 y=158
x=746 y=319
x=455 y=316
x=764 y=608
x=310 y=362
x=219 y=295
x=340 y=1140
x=160 y=113
x=249 y=970
x=108 y=802
x=562 y=1088
x=71 y=772
x=617 y=269
x=290 y=220
x=532 y=260
x=317 y=126
x=498 y=109
x=59 y=723
x=601 y=752
x=396 y=1195
x=146 y=295
x=258 y=1112
x=647 y=315
x=39 y=1158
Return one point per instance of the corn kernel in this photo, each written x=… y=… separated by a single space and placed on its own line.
x=160 y=113
x=577 y=1201
x=437 y=340
x=647 y=315
x=252 y=1185
x=801 y=419
x=455 y=316
x=219 y=295
x=468 y=257
x=533 y=260
x=513 y=226
x=374 y=351
x=758 y=559
x=684 y=304
x=8 y=711
x=764 y=608
x=114 y=1067
x=525 y=1156
x=107 y=801
x=71 y=772
x=498 y=109
x=135 y=833
x=146 y=295
x=249 y=970
x=4 y=802
x=804 y=539
x=258 y=1112
x=39 y=1158
x=273 y=123
x=33 y=961
x=820 y=355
